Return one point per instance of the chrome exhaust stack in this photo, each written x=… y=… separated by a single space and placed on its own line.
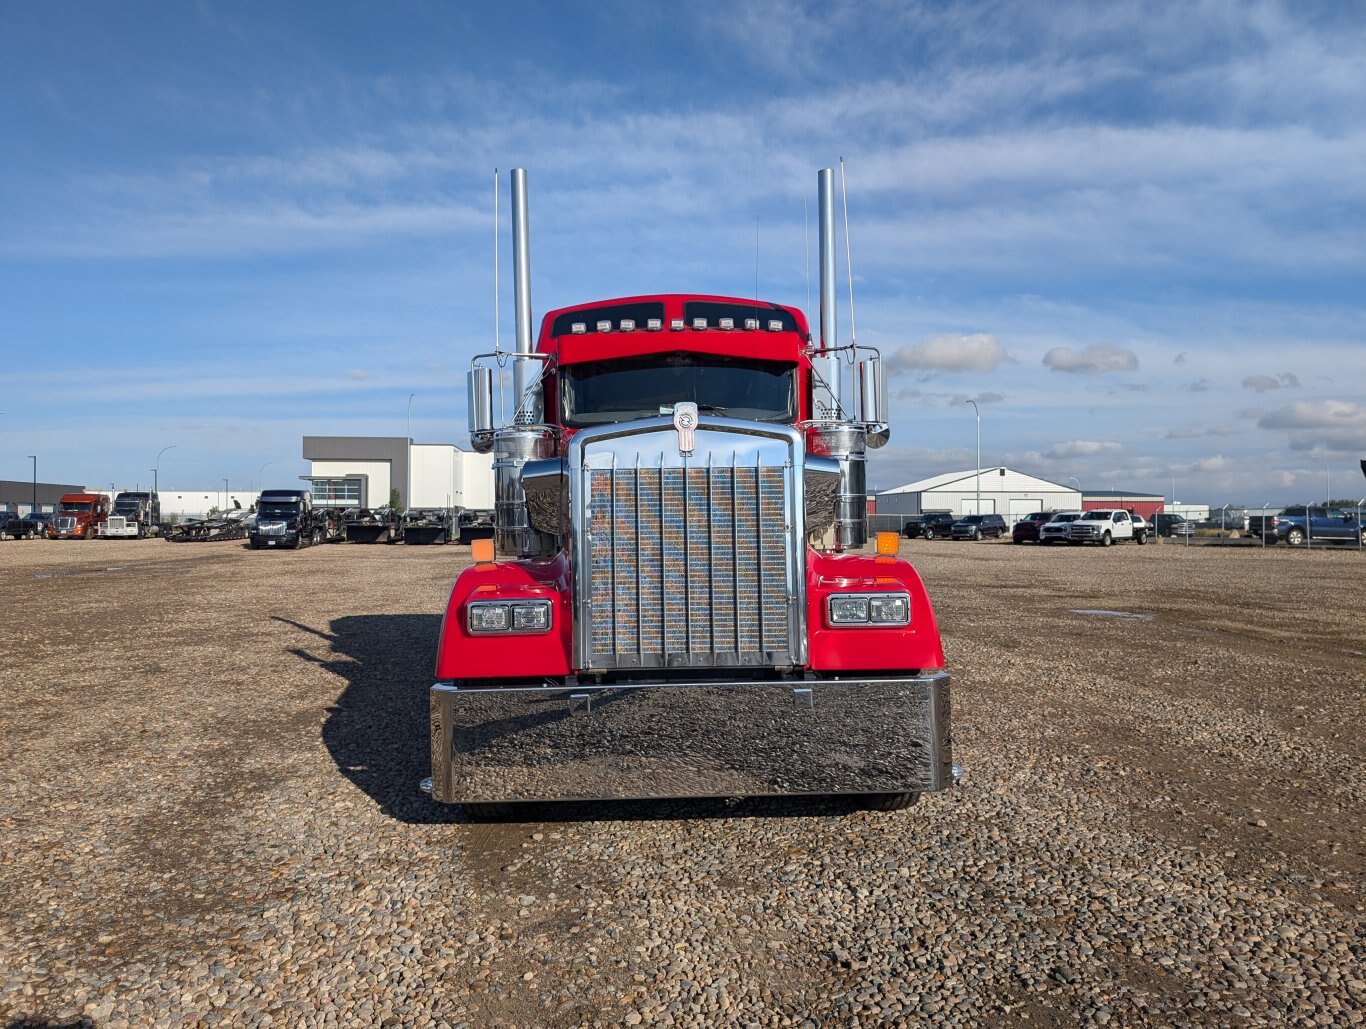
x=832 y=432
x=526 y=437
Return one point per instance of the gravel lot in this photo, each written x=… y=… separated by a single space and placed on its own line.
x=209 y=812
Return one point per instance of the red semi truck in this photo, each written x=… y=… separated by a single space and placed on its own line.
x=678 y=601
x=78 y=516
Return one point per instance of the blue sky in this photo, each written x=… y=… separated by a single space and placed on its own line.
x=1134 y=233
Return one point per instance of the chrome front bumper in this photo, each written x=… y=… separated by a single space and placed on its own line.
x=694 y=739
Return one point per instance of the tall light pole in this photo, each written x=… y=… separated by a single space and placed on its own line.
x=1073 y=478
x=261 y=475
x=156 y=484
x=408 y=486
x=979 y=454
x=224 y=508
x=34 y=459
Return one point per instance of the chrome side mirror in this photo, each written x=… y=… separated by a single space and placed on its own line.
x=873 y=400
x=480 y=406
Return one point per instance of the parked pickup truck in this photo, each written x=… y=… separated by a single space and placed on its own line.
x=1106 y=526
x=1327 y=524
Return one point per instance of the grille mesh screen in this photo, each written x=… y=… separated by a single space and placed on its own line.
x=688 y=565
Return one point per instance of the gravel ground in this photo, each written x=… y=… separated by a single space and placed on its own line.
x=209 y=812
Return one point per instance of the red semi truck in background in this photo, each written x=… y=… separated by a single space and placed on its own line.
x=674 y=604
x=78 y=516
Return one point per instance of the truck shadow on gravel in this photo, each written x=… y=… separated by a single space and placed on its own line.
x=377 y=733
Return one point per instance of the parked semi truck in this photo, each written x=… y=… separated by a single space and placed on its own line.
x=286 y=518
x=78 y=516
x=675 y=602
x=136 y=515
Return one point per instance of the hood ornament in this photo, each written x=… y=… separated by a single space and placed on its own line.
x=685 y=421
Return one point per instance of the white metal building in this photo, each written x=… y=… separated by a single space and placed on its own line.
x=1003 y=491
x=359 y=471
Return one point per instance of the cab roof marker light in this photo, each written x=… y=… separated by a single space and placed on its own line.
x=751 y=324
x=604 y=326
x=654 y=324
x=699 y=324
x=579 y=328
x=676 y=324
x=628 y=325
x=727 y=323
x=775 y=325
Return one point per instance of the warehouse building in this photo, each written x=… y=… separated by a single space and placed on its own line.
x=998 y=490
x=360 y=471
x=19 y=496
x=1140 y=503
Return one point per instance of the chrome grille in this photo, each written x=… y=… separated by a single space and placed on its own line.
x=689 y=565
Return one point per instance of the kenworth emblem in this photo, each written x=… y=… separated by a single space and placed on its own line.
x=685 y=421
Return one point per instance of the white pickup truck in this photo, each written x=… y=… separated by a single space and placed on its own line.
x=1108 y=525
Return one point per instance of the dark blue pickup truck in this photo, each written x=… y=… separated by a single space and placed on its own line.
x=1329 y=525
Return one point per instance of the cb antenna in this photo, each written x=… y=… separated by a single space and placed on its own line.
x=806 y=219
x=848 y=265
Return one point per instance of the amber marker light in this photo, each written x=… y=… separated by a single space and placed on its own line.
x=887 y=543
x=482 y=551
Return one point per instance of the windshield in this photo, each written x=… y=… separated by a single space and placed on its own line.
x=71 y=507
x=1065 y=518
x=1096 y=516
x=127 y=505
x=277 y=510
x=602 y=392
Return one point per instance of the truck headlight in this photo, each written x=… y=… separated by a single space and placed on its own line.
x=869 y=609
x=522 y=616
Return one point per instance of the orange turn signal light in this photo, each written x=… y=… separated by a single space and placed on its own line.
x=482 y=551
x=888 y=542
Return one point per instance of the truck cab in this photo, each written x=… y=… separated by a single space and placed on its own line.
x=136 y=515
x=677 y=600
x=78 y=516
x=284 y=518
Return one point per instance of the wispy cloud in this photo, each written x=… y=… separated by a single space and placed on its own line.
x=1331 y=425
x=1263 y=383
x=1093 y=360
x=950 y=353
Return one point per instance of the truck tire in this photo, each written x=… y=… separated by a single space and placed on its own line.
x=977 y=535
x=1295 y=537
x=1141 y=538
x=890 y=801
x=1106 y=540
x=927 y=533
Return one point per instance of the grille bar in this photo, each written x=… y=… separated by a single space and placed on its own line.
x=688 y=565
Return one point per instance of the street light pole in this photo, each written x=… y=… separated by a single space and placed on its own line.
x=34 y=459
x=156 y=484
x=408 y=486
x=979 y=454
x=261 y=476
x=224 y=508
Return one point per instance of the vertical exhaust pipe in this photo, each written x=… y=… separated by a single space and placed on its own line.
x=527 y=439
x=524 y=372
x=825 y=399
x=834 y=434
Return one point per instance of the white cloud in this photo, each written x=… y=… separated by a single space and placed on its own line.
x=1263 y=383
x=1081 y=448
x=954 y=352
x=1096 y=359
x=1329 y=425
